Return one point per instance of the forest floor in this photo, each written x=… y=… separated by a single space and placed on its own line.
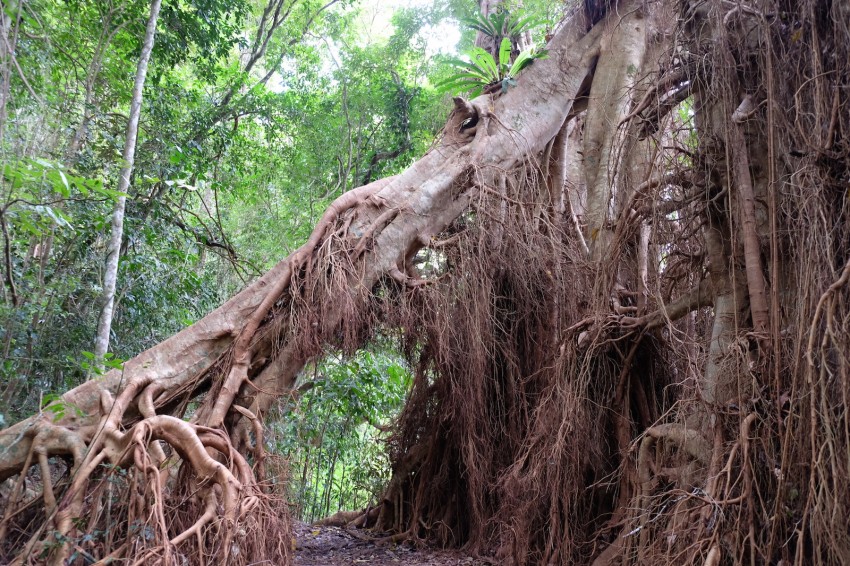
x=333 y=546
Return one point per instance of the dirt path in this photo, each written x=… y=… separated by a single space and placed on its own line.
x=332 y=546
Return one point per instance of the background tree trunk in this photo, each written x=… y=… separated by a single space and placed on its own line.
x=116 y=235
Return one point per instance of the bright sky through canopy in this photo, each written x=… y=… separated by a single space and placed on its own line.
x=376 y=19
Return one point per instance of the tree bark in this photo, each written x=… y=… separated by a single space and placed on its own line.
x=623 y=46
x=113 y=250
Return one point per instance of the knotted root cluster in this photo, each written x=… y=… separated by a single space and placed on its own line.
x=173 y=491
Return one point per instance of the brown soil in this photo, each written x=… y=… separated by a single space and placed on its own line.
x=334 y=546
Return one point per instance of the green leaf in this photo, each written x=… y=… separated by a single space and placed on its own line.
x=57 y=216
x=485 y=62
x=526 y=58
x=65 y=182
x=48 y=398
x=472 y=68
x=459 y=84
x=524 y=24
x=479 y=24
x=482 y=24
x=497 y=20
x=507 y=82
x=505 y=54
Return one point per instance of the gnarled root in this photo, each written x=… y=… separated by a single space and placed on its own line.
x=202 y=501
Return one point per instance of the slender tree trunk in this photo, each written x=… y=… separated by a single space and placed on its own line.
x=113 y=251
x=8 y=40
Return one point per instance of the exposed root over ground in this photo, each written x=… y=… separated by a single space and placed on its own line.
x=629 y=346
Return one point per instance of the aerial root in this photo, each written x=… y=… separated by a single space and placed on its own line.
x=405 y=279
x=688 y=440
x=257 y=448
x=728 y=480
x=341 y=518
x=47 y=439
x=713 y=558
x=231 y=487
x=700 y=296
x=243 y=350
x=222 y=483
x=369 y=235
x=210 y=512
x=396 y=538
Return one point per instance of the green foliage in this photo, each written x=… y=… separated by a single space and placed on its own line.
x=51 y=176
x=502 y=24
x=331 y=436
x=497 y=70
x=90 y=366
x=203 y=30
x=483 y=71
x=59 y=155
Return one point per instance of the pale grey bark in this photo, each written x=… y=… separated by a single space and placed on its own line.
x=624 y=42
x=7 y=52
x=113 y=250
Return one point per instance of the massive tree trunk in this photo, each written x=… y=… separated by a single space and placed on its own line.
x=621 y=355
